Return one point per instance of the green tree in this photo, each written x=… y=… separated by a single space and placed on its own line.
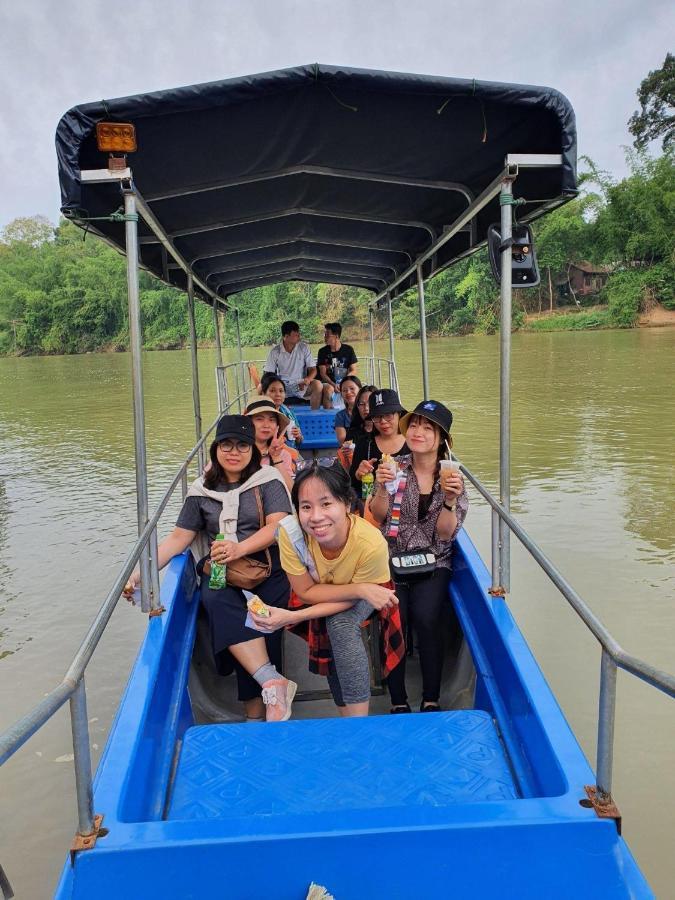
x=656 y=118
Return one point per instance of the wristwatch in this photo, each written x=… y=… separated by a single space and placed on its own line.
x=275 y=462
x=449 y=507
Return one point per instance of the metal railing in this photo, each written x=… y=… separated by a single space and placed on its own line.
x=72 y=687
x=234 y=383
x=613 y=655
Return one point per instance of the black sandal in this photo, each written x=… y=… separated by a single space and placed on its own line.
x=400 y=709
x=430 y=707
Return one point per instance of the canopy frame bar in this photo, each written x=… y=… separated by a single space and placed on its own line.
x=307 y=240
x=302 y=268
x=295 y=211
x=350 y=174
x=302 y=256
x=93 y=176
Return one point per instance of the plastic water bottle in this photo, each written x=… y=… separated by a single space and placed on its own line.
x=217 y=578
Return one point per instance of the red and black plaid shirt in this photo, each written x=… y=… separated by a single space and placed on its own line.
x=314 y=631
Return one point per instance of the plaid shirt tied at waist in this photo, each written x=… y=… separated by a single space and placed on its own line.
x=315 y=632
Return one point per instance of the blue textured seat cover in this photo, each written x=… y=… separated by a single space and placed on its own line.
x=325 y=765
x=317 y=426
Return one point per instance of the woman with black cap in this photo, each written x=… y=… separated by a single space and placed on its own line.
x=245 y=502
x=384 y=410
x=420 y=506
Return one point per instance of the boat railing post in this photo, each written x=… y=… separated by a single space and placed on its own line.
x=219 y=356
x=184 y=484
x=240 y=357
x=195 y=369
x=423 y=333
x=82 y=759
x=393 y=384
x=496 y=581
x=146 y=563
x=371 y=337
x=606 y=713
x=505 y=201
x=379 y=370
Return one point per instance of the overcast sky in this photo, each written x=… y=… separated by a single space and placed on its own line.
x=55 y=54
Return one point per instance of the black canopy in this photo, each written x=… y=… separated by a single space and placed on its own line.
x=317 y=173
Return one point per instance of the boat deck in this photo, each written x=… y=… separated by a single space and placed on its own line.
x=332 y=765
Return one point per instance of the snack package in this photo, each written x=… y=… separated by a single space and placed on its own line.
x=388 y=460
x=257 y=606
x=217 y=578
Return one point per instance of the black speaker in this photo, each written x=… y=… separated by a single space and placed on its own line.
x=524 y=268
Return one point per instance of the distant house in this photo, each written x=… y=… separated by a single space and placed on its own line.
x=584 y=278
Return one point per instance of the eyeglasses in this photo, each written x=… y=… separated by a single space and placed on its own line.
x=229 y=446
x=388 y=417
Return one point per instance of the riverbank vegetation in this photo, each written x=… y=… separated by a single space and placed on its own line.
x=616 y=241
x=62 y=294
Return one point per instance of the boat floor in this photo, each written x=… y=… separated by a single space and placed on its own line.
x=339 y=766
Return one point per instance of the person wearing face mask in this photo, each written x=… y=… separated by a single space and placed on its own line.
x=420 y=519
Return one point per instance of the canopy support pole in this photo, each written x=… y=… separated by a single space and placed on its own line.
x=423 y=333
x=195 y=370
x=393 y=383
x=240 y=357
x=505 y=202
x=148 y=558
x=219 y=355
x=371 y=333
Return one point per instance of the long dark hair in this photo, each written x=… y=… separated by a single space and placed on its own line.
x=334 y=477
x=216 y=473
x=356 y=428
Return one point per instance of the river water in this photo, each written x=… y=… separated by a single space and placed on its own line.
x=592 y=468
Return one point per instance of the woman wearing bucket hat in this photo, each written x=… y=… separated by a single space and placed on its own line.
x=385 y=411
x=239 y=499
x=420 y=519
x=270 y=425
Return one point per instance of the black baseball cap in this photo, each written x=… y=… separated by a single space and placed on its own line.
x=235 y=428
x=384 y=401
x=434 y=411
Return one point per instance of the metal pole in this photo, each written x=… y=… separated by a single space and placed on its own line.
x=505 y=199
x=423 y=333
x=80 y=728
x=495 y=551
x=195 y=370
x=371 y=334
x=606 y=710
x=148 y=578
x=219 y=356
x=240 y=390
x=392 y=363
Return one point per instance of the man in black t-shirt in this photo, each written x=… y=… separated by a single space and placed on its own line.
x=336 y=360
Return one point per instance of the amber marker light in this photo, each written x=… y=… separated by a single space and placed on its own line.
x=116 y=137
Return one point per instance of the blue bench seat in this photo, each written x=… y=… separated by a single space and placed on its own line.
x=317 y=426
x=328 y=765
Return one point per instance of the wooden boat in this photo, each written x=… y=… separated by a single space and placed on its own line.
x=378 y=180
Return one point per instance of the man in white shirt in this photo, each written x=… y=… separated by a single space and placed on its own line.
x=293 y=362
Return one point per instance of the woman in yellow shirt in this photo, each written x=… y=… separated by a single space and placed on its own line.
x=341 y=570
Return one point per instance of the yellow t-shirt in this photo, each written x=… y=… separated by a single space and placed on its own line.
x=364 y=558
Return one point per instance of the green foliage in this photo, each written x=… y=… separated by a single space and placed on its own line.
x=572 y=321
x=656 y=118
x=60 y=294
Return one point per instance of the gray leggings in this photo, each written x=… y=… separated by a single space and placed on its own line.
x=349 y=675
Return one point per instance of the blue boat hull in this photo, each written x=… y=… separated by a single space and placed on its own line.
x=533 y=839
